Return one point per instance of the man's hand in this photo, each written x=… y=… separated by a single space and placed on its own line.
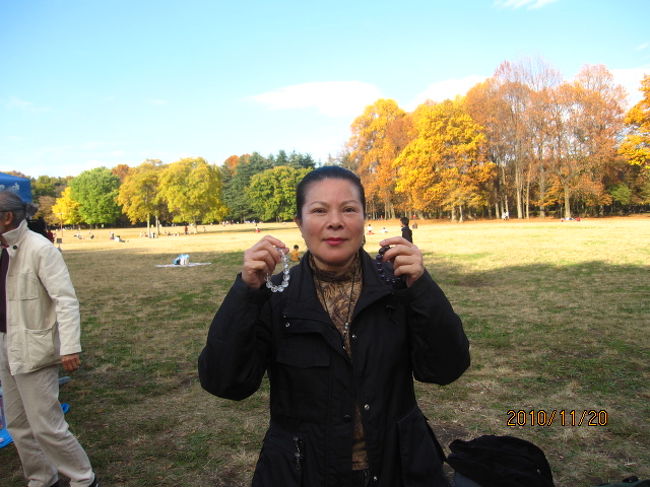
x=70 y=362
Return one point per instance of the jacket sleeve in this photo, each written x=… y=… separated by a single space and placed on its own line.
x=53 y=274
x=439 y=347
x=237 y=351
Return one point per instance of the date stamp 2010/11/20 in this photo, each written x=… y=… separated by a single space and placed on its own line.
x=561 y=417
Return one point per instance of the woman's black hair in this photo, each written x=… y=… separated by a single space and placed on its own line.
x=327 y=172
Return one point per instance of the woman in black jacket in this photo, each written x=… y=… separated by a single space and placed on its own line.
x=341 y=336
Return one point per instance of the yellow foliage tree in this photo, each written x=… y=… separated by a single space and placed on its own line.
x=139 y=193
x=191 y=189
x=445 y=166
x=66 y=208
x=636 y=146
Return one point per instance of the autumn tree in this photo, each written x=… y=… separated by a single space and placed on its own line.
x=636 y=145
x=96 y=192
x=635 y=148
x=512 y=108
x=121 y=170
x=66 y=209
x=378 y=136
x=231 y=162
x=139 y=196
x=191 y=189
x=586 y=118
x=486 y=107
x=516 y=97
x=272 y=193
x=445 y=166
x=45 y=204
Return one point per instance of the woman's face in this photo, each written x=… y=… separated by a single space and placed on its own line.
x=332 y=222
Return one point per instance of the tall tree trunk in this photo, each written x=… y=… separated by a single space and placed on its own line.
x=518 y=193
x=567 y=206
x=542 y=190
x=504 y=190
x=527 y=197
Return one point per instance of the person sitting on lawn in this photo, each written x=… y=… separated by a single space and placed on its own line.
x=294 y=255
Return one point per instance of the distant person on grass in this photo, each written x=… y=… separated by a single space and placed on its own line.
x=294 y=255
x=39 y=329
x=341 y=342
x=406 y=231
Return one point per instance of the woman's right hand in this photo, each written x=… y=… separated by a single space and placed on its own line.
x=260 y=260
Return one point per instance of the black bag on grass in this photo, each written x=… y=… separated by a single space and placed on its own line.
x=501 y=461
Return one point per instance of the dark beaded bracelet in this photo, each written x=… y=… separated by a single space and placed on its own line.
x=386 y=274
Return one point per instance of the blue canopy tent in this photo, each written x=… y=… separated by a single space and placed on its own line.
x=21 y=186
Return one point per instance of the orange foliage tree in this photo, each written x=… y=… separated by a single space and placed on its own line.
x=378 y=136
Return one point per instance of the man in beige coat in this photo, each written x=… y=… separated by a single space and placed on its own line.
x=39 y=329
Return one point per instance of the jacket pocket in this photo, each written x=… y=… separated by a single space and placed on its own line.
x=281 y=460
x=301 y=377
x=23 y=286
x=40 y=348
x=420 y=456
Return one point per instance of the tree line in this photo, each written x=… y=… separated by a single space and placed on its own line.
x=522 y=143
x=247 y=187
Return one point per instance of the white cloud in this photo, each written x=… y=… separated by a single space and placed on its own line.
x=446 y=89
x=515 y=4
x=631 y=78
x=331 y=98
x=643 y=46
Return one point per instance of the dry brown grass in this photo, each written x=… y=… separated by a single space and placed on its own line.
x=557 y=314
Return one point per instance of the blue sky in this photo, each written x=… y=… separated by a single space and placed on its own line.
x=100 y=83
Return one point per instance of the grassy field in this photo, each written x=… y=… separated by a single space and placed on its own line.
x=558 y=315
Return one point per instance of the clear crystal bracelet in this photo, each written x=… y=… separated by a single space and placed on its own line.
x=285 y=276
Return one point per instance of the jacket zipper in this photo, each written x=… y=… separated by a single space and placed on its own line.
x=298 y=455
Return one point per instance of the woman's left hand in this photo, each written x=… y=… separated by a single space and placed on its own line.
x=406 y=258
